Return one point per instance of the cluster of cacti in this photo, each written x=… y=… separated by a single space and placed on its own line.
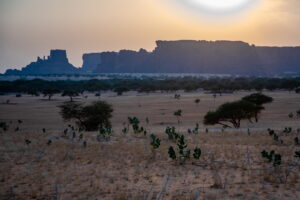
x=4 y=126
x=272 y=157
x=155 y=141
x=171 y=132
x=182 y=150
x=135 y=123
x=195 y=130
x=104 y=133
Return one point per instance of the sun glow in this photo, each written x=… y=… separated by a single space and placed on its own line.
x=218 y=6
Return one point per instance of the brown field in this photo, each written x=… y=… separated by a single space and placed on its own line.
x=124 y=167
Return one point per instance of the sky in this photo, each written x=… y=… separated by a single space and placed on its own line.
x=30 y=28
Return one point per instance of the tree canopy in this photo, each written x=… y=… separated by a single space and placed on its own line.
x=90 y=117
x=258 y=98
x=233 y=113
x=70 y=93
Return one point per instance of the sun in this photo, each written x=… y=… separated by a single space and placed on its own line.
x=218 y=6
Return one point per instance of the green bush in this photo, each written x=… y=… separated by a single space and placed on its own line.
x=90 y=117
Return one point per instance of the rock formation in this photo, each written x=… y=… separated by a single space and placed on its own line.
x=184 y=56
x=56 y=63
x=189 y=56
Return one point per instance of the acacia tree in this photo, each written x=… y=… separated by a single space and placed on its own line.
x=258 y=99
x=70 y=93
x=90 y=117
x=50 y=92
x=233 y=113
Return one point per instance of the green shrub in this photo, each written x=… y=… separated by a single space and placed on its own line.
x=90 y=117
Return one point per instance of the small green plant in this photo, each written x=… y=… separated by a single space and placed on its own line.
x=271 y=132
x=177 y=96
x=135 y=123
x=171 y=132
x=155 y=141
x=197 y=153
x=3 y=126
x=297 y=154
x=275 y=136
x=124 y=130
x=104 y=133
x=287 y=130
x=182 y=151
x=172 y=153
x=182 y=148
x=196 y=129
x=178 y=114
x=84 y=144
x=298 y=113
x=296 y=140
x=272 y=157
x=28 y=142
x=197 y=101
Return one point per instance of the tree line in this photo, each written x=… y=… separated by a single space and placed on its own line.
x=153 y=84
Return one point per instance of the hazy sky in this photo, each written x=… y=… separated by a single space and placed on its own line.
x=30 y=28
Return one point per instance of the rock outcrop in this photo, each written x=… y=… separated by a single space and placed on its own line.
x=56 y=63
x=184 y=56
x=189 y=56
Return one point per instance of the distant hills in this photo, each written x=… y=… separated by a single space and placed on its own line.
x=184 y=56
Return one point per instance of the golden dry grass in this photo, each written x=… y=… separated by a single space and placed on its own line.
x=123 y=168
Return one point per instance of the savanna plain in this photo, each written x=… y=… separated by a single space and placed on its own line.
x=126 y=167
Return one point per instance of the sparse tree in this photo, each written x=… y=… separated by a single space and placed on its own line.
x=50 y=92
x=70 y=93
x=121 y=90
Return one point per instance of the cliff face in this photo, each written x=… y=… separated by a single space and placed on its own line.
x=125 y=61
x=188 y=56
x=184 y=56
x=56 y=63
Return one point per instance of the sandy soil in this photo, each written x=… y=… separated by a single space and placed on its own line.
x=124 y=167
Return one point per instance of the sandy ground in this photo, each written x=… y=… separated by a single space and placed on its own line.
x=124 y=167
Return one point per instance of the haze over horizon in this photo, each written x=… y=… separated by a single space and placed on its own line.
x=30 y=28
